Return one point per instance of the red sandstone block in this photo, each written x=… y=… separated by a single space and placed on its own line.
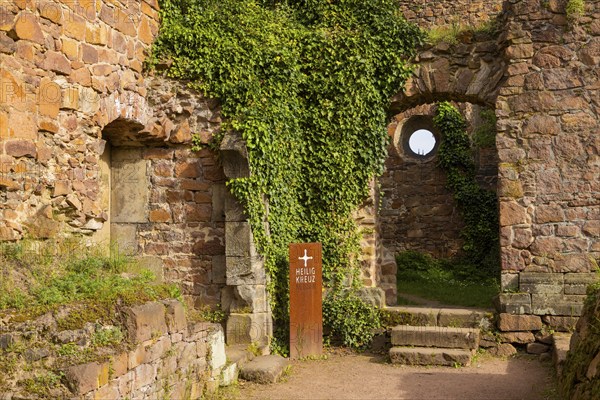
x=144 y=321
x=158 y=153
x=188 y=169
x=509 y=322
x=144 y=32
x=74 y=27
x=194 y=185
x=28 y=28
x=57 y=62
x=84 y=378
x=159 y=215
x=20 y=148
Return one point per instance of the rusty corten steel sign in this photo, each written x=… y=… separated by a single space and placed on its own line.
x=306 y=313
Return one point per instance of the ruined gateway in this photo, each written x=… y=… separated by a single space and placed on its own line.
x=91 y=146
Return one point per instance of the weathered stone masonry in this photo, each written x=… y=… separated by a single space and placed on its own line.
x=443 y=12
x=88 y=146
x=164 y=356
x=549 y=146
x=542 y=76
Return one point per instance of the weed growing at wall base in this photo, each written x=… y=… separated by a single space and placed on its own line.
x=307 y=84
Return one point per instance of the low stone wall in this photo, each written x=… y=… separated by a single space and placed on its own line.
x=580 y=378
x=165 y=356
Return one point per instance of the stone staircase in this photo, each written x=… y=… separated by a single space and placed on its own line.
x=436 y=336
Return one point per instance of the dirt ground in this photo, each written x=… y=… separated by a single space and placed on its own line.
x=363 y=376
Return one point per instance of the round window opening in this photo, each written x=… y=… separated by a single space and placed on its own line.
x=422 y=142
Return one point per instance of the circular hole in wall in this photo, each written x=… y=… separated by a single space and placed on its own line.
x=422 y=142
x=419 y=138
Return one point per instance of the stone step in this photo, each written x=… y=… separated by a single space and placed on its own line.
x=265 y=369
x=239 y=354
x=451 y=317
x=435 y=336
x=430 y=356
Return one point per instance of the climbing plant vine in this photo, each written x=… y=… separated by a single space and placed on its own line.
x=307 y=84
x=479 y=207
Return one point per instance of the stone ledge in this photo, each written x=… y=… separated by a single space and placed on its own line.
x=430 y=356
x=429 y=336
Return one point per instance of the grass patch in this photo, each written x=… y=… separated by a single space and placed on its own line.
x=449 y=282
x=37 y=277
x=402 y=301
x=452 y=33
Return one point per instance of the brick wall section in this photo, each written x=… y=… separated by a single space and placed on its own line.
x=185 y=228
x=429 y=13
x=549 y=148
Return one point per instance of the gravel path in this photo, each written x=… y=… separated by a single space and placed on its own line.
x=359 y=376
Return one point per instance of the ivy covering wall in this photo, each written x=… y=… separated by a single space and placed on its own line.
x=307 y=84
x=478 y=206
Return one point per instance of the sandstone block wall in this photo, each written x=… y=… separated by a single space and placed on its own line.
x=549 y=146
x=430 y=13
x=68 y=69
x=541 y=76
x=90 y=146
x=418 y=212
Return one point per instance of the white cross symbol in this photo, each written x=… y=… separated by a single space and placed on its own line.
x=305 y=258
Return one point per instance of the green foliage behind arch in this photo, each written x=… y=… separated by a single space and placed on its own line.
x=478 y=206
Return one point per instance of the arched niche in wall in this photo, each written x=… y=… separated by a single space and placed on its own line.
x=124 y=185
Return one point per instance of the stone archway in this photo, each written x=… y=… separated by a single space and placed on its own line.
x=470 y=74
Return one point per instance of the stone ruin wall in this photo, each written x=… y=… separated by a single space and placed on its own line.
x=429 y=13
x=418 y=212
x=164 y=355
x=72 y=86
x=549 y=149
x=73 y=102
x=541 y=75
